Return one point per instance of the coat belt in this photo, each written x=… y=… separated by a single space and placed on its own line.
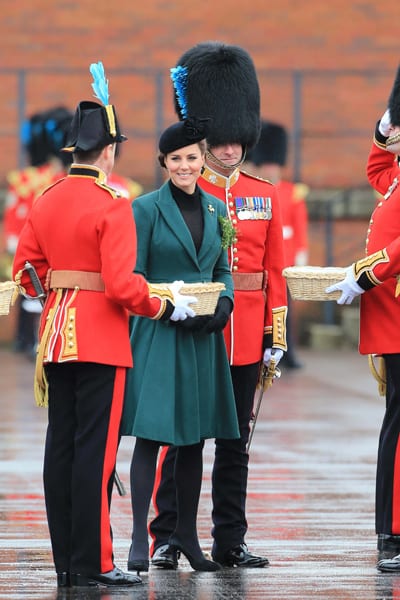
x=250 y=281
x=84 y=280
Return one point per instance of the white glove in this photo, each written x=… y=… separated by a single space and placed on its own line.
x=278 y=353
x=349 y=288
x=385 y=125
x=182 y=309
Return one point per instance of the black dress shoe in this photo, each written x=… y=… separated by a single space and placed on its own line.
x=390 y=565
x=240 y=557
x=116 y=577
x=165 y=557
x=63 y=580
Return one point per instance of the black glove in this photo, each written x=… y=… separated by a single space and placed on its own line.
x=220 y=317
x=192 y=323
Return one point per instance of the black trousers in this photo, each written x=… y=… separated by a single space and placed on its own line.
x=229 y=476
x=85 y=407
x=387 y=506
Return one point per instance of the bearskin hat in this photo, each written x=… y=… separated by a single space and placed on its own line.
x=221 y=83
x=394 y=101
x=271 y=146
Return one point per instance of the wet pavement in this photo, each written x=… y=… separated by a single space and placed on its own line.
x=310 y=501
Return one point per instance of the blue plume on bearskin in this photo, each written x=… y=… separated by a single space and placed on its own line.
x=179 y=79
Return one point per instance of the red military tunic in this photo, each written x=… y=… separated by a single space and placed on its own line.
x=253 y=208
x=379 y=307
x=80 y=224
x=294 y=220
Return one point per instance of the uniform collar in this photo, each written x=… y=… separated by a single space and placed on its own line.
x=78 y=170
x=220 y=180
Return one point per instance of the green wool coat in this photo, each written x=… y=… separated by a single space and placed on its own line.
x=179 y=390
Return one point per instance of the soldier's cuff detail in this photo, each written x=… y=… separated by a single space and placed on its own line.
x=379 y=138
x=279 y=327
x=163 y=293
x=364 y=269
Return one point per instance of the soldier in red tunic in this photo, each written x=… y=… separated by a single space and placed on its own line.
x=80 y=237
x=268 y=159
x=220 y=81
x=376 y=278
x=42 y=136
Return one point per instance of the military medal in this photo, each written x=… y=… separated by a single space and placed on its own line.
x=253 y=208
x=242 y=209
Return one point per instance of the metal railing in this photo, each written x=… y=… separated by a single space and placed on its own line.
x=322 y=109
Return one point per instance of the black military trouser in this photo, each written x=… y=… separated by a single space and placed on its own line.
x=387 y=508
x=229 y=476
x=85 y=407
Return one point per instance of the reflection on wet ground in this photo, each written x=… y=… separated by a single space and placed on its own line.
x=310 y=502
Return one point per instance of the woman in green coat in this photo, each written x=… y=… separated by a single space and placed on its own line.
x=179 y=391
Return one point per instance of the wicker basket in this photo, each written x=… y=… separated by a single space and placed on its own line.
x=309 y=283
x=207 y=295
x=8 y=294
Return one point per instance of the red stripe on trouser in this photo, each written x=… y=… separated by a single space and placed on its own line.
x=157 y=480
x=106 y=550
x=396 y=491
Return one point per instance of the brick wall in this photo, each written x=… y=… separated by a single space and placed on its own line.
x=47 y=47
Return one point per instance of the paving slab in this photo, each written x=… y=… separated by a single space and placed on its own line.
x=310 y=494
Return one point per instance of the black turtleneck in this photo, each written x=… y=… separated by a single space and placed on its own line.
x=190 y=207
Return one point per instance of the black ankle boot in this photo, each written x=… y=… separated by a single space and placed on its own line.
x=198 y=563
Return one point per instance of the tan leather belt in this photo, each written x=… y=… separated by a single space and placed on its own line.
x=249 y=281
x=84 y=280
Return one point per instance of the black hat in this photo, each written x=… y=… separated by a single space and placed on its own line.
x=220 y=81
x=33 y=138
x=93 y=127
x=394 y=101
x=271 y=147
x=184 y=133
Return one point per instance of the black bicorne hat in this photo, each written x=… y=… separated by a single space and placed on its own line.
x=184 y=133
x=93 y=127
x=271 y=146
x=394 y=101
x=221 y=83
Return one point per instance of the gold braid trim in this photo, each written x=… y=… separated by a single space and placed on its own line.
x=40 y=384
x=367 y=264
x=111 y=120
x=279 y=327
x=393 y=139
x=379 y=373
x=163 y=293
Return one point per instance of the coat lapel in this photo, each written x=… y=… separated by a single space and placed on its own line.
x=174 y=220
